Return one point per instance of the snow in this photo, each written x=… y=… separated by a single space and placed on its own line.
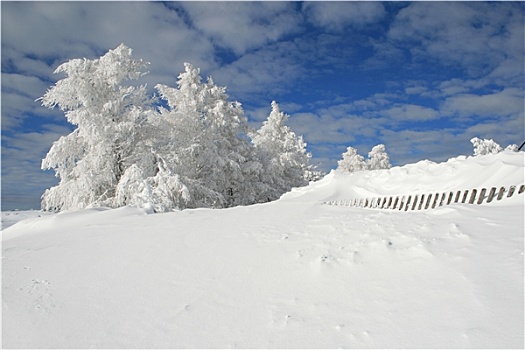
x=293 y=273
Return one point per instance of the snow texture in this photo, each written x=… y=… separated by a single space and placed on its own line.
x=288 y=274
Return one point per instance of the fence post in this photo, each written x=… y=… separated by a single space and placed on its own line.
x=401 y=201
x=473 y=196
x=395 y=203
x=429 y=198
x=465 y=194
x=492 y=193
x=415 y=202
x=458 y=194
x=442 y=201
x=408 y=202
x=501 y=193
x=436 y=198
x=450 y=196
x=420 y=206
x=482 y=195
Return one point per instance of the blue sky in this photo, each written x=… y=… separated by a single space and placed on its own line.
x=423 y=78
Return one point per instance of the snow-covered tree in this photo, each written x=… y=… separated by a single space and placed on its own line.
x=351 y=161
x=378 y=158
x=92 y=159
x=162 y=192
x=195 y=152
x=513 y=148
x=313 y=173
x=283 y=155
x=209 y=144
x=485 y=146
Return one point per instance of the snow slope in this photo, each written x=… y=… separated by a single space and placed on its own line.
x=288 y=274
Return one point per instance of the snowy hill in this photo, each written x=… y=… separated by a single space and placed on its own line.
x=288 y=274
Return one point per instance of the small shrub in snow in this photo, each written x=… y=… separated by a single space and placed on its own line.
x=378 y=158
x=352 y=161
x=485 y=146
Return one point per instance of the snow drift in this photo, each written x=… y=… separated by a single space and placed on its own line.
x=293 y=273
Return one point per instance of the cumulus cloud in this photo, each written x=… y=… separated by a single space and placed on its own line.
x=410 y=146
x=505 y=131
x=23 y=182
x=461 y=33
x=508 y=102
x=385 y=54
x=266 y=72
x=243 y=26
x=410 y=112
x=60 y=31
x=19 y=93
x=336 y=15
x=416 y=90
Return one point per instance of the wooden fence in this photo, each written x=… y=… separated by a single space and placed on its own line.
x=431 y=200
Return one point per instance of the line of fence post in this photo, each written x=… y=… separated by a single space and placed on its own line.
x=431 y=200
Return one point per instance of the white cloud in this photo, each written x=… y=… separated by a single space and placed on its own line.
x=23 y=182
x=415 y=90
x=29 y=86
x=267 y=72
x=409 y=146
x=16 y=60
x=385 y=54
x=335 y=15
x=410 y=112
x=508 y=102
x=243 y=26
x=19 y=93
x=60 y=31
x=476 y=36
x=504 y=131
x=320 y=128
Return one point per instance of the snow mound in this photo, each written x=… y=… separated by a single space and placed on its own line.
x=287 y=274
x=461 y=173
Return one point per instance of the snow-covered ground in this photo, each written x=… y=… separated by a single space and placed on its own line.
x=289 y=274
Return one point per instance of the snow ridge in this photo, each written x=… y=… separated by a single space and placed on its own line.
x=292 y=273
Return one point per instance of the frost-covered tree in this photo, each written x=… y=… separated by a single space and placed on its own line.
x=162 y=192
x=351 y=161
x=378 y=158
x=195 y=152
x=283 y=155
x=107 y=140
x=209 y=147
x=485 y=146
